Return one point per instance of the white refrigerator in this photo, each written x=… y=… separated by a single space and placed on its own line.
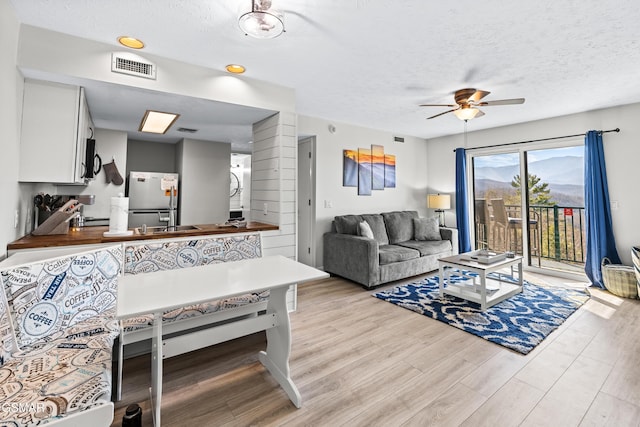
x=149 y=197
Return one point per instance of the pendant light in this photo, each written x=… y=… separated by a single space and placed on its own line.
x=260 y=21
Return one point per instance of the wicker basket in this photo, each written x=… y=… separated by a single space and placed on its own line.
x=635 y=257
x=619 y=279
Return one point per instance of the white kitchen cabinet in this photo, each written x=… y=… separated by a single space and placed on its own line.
x=55 y=126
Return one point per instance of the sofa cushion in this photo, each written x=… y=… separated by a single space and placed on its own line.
x=399 y=225
x=393 y=253
x=347 y=224
x=378 y=228
x=68 y=374
x=50 y=296
x=426 y=229
x=6 y=332
x=428 y=247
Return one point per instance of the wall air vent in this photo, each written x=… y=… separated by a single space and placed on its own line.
x=398 y=139
x=187 y=130
x=134 y=65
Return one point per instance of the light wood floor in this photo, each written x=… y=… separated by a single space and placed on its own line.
x=360 y=361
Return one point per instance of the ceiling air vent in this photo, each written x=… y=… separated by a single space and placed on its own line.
x=398 y=139
x=134 y=65
x=187 y=130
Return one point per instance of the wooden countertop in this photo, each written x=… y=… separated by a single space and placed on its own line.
x=93 y=235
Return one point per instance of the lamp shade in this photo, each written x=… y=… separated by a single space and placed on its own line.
x=466 y=113
x=439 y=201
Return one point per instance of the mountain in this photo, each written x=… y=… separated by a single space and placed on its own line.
x=564 y=175
x=559 y=170
x=555 y=170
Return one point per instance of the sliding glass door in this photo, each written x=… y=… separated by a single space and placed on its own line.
x=540 y=217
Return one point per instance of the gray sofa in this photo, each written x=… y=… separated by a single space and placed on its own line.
x=401 y=245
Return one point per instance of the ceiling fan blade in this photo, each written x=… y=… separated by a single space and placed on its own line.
x=480 y=114
x=438 y=105
x=478 y=95
x=440 y=114
x=502 y=102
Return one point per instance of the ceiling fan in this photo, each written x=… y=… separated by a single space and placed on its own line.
x=467 y=101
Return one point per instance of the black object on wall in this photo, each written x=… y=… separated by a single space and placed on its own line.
x=93 y=162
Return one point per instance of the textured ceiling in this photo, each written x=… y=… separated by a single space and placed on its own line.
x=371 y=62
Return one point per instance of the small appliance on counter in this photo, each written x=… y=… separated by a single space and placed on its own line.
x=149 y=198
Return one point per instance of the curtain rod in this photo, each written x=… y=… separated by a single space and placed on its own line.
x=538 y=140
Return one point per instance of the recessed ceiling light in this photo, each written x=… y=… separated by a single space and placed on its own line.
x=131 y=42
x=157 y=121
x=235 y=68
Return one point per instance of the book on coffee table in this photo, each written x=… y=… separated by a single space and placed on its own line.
x=484 y=256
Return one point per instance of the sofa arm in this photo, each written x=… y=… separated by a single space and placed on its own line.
x=452 y=235
x=352 y=257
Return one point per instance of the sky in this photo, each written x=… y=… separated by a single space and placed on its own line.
x=511 y=159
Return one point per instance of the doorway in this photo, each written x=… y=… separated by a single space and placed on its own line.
x=306 y=201
x=540 y=217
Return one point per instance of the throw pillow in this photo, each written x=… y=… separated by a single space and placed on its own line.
x=399 y=225
x=365 y=230
x=347 y=224
x=376 y=223
x=426 y=229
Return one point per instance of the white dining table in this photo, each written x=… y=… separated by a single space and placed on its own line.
x=160 y=291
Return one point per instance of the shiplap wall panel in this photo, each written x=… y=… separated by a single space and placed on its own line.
x=273 y=182
x=265 y=153
x=265 y=185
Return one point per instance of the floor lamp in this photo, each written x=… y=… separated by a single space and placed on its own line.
x=439 y=202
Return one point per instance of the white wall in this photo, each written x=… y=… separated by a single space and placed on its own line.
x=49 y=54
x=622 y=155
x=147 y=156
x=11 y=86
x=204 y=181
x=110 y=145
x=411 y=173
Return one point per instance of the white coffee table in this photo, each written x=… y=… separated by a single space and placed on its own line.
x=479 y=289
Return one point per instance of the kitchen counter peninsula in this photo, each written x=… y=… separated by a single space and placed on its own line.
x=94 y=235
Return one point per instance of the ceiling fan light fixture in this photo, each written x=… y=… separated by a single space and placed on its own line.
x=261 y=21
x=466 y=113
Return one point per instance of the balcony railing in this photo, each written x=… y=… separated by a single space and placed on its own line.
x=556 y=233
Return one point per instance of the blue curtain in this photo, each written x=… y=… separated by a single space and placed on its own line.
x=462 y=209
x=600 y=240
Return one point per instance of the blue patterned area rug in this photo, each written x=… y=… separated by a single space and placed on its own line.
x=519 y=323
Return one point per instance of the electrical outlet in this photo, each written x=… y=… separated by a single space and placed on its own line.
x=265 y=208
x=16 y=218
x=328 y=204
x=614 y=205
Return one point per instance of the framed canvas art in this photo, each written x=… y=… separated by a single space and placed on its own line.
x=350 y=168
x=377 y=167
x=364 y=171
x=390 y=171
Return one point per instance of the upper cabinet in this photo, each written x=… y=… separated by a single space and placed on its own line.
x=55 y=126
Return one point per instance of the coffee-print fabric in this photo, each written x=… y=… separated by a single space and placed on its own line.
x=63 y=314
x=149 y=257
